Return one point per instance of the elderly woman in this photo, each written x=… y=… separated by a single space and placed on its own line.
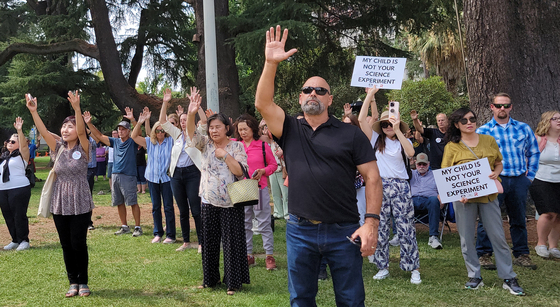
x=71 y=199
x=159 y=146
x=465 y=145
x=222 y=163
x=15 y=190
x=545 y=189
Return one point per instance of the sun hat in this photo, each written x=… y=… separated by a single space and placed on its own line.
x=385 y=118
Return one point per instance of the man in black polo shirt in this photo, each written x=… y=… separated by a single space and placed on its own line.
x=322 y=155
x=435 y=136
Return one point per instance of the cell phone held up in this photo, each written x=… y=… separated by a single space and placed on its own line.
x=394 y=109
x=30 y=99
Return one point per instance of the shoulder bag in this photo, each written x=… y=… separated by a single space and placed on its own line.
x=496 y=181
x=46 y=193
x=244 y=192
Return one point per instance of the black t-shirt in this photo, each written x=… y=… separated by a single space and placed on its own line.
x=141 y=156
x=321 y=165
x=437 y=145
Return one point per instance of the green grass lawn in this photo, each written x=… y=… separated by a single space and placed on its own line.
x=127 y=271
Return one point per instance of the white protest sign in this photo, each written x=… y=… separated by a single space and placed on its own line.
x=468 y=179
x=385 y=73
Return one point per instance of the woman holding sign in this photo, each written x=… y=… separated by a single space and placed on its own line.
x=465 y=145
x=392 y=150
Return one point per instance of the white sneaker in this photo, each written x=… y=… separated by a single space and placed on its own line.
x=371 y=258
x=11 y=246
x=23 y=246
x=382 y=274
x=434 y=243
x=554 y=252
x=542 y=251
x=415 y=277
x=394 y=241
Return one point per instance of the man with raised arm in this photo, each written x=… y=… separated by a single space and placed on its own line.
x=322 y=155
x=123 y=190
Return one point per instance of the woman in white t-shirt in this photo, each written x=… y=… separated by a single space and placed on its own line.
x=15 y=190
x=392 y=150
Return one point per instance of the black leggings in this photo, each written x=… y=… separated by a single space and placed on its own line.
x=14 y=203
x=72 y=231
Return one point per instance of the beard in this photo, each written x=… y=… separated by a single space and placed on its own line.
x=312 y=108
x=502 y=115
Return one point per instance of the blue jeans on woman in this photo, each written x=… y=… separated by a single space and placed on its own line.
x=306 y=244
x=157 y=192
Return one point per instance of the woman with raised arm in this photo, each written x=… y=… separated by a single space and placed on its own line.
x=184 y=169
x=545 y=189
x=222 y=163
x=392 y=150
x=465 y=145
x=158 y=145
x=71 y=200
x=15 y=190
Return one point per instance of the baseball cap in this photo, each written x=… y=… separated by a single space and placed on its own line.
x=124 y=124
x=422 y=158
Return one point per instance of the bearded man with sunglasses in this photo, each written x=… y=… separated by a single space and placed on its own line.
x=520 y=150
x=322 y=155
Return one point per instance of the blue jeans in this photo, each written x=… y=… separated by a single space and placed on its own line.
x=185 y=183
x=432 y=205
x=157 y=192
x=306 y=244
x=514 y=197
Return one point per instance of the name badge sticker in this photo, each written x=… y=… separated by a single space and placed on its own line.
x=76 y=155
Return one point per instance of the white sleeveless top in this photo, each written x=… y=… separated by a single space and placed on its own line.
x=17 y=174
x=549 y=163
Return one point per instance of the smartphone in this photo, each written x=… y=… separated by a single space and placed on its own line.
x=357 y=242
x=254 y=173
x=31 y=99
x=394 y=109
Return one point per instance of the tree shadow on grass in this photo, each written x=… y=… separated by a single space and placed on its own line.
x=144 y=297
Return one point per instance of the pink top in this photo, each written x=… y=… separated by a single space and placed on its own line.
x=255 y=160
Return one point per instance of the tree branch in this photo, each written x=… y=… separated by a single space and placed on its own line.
x=76 y=45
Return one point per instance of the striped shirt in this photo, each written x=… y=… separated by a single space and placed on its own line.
x=518 y=146
x=159 y=158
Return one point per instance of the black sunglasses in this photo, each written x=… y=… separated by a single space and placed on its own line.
x=499 y=106
x=11 y=141
x=160 y=131
x=386 y=124
x=471 y=119
x=319 y=90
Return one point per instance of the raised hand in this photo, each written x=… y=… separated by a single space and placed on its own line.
x=396 y=124
x=275 y=43
x=74 y=99
x=347 y=109
x=372 y=90
x=142 y=118
x=31 y=103
x=413 y=115
x=18 y=124
x=167 y=95
x=209 y=113
x=180 y=110
x=129 y=114
x=195 y=103
x=87 y=117
x=147 y=112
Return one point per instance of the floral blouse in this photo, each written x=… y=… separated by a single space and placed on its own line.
x=215 y=173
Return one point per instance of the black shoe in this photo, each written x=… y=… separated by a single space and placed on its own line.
x=513 y=287
x=474 y=283
x=323 y=275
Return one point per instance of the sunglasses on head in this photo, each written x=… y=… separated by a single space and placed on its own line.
x=386 y=124
x=11 y=142
x=464 y=120
x=499 y=106
x=160 y=131
x=318 y=90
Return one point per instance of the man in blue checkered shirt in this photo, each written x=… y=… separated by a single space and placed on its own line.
x=520 y=150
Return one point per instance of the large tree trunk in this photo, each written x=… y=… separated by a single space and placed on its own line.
x=228 y=79
x=513 y=47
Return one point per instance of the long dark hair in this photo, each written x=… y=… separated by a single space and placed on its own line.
x=380 y=142
x=251 y=122
x=453 y=133
x=221 y=117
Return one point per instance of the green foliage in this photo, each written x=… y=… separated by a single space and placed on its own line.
x=428 y=97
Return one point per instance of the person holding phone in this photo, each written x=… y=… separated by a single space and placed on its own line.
x=393 y=150
x=261 y=165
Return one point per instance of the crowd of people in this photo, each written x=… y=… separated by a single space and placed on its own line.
x=342 y=198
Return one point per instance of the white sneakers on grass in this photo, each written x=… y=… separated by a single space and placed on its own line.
x=19 y=247
x=434 y=242
x=11 y=246
x=382 y=274
x=414 y=277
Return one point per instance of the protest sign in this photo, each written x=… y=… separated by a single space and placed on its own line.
x=385 y=73
x=468 y=179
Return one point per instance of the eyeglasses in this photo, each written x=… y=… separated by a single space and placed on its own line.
x=421 y=164
x=499 y=106
x=386 y=124
x=11 y=142
x=160 y=131
x=471 y=119
x=556 y=119
x=318 y=90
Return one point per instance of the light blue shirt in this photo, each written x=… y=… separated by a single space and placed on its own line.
x=518 y=146
x=159 y=158
x=92 y=157
x=423 y=185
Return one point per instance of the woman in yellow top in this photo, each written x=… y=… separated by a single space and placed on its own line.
x=462 y=133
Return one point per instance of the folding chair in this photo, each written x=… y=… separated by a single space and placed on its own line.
x=447 y=214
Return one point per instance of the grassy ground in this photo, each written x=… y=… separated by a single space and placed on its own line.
x=126 y=271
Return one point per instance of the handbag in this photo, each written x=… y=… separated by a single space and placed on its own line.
x=496 y=181
x=244 y=192
x=29 y=173
x=46 y=193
